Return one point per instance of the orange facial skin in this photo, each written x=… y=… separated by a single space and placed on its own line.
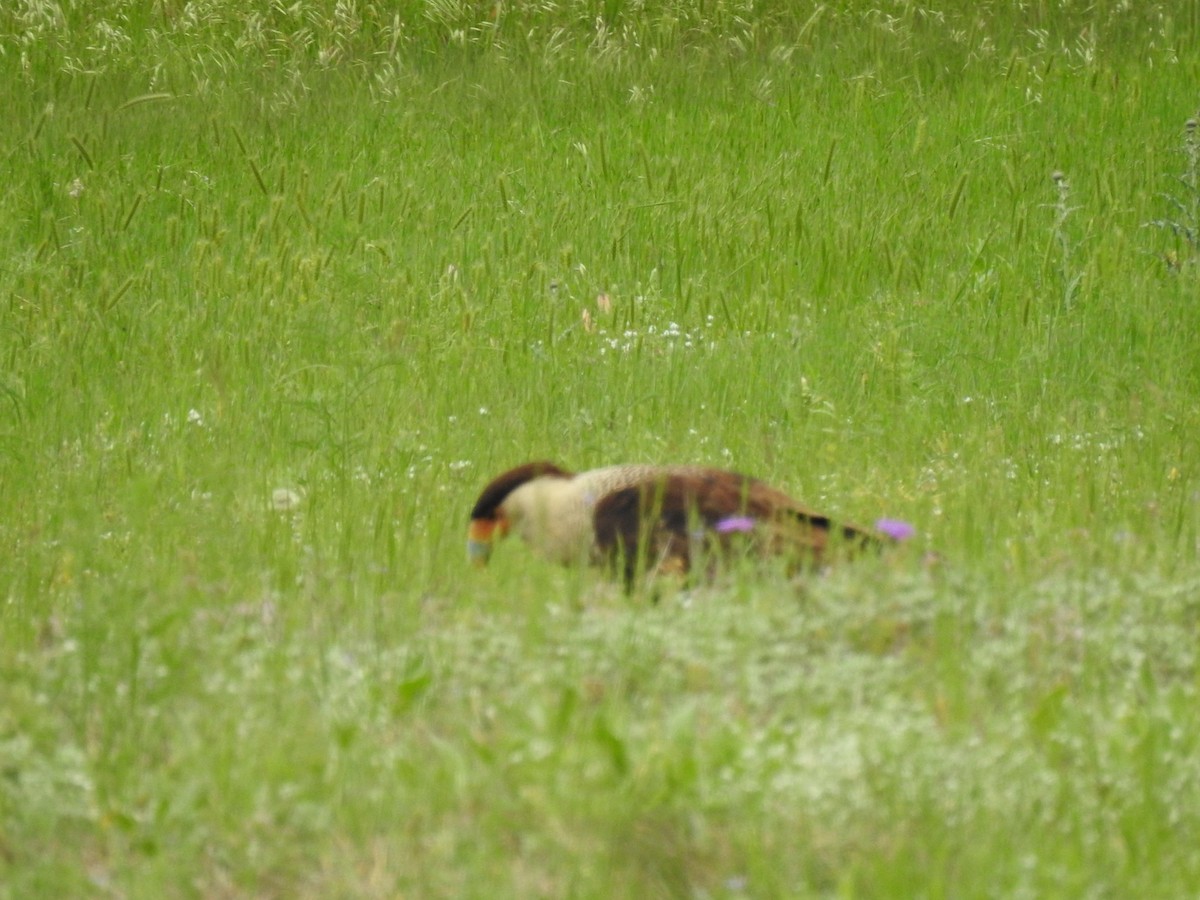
x=481 y=535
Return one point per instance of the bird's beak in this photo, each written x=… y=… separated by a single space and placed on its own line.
x=479 y=540
x=478 y=552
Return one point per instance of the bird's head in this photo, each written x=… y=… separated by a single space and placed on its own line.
x=490 y=518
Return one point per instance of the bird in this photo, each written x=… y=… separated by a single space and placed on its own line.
x=659 y=519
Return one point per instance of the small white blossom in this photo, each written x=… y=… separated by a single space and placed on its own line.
x=285 y=499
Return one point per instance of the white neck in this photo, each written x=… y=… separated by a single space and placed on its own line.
x=553 y=516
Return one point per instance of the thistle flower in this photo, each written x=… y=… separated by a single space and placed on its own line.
x=734 y=524
x=896 y=529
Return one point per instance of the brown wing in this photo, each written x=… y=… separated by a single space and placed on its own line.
x=664 y=523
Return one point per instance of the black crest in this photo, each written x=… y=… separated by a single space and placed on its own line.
x=501 y=486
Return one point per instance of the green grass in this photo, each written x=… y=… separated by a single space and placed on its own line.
x=345 y=251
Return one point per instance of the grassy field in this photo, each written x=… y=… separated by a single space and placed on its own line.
x=281 y=290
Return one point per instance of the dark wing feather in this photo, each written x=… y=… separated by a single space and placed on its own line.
x=663 y=522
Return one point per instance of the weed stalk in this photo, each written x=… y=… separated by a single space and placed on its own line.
x=1062 y=211
x=1186 y=224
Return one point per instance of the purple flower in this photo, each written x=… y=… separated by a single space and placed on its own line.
x=896 y=529
x=732 y=524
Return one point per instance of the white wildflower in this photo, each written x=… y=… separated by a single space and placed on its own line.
x=285 y=499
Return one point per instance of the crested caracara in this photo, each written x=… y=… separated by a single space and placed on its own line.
x=648 y=518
